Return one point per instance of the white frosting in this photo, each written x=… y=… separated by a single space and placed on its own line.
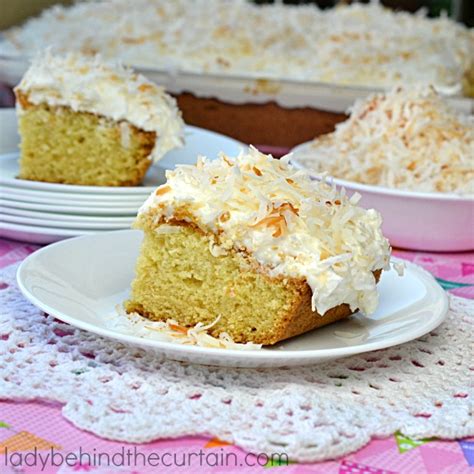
x=90 y=85
x=407 y=139
x=357 y=44
x=293 y=226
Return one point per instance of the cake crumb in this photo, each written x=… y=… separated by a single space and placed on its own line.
x=171 y=331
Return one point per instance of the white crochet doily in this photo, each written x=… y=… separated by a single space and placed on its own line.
x=421 y=388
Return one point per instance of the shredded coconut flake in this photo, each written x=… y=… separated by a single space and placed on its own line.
x=399 y=267
x=172 y=331
x=406 y=139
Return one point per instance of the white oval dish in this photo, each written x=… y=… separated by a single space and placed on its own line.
x=413 y=220
x=55 y=279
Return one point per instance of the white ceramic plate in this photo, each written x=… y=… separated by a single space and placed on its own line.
x=16 y=194
x=21 y=194
x=71 y=218
x=56 y=280
x=413 y=220
x=82 y=210
x=37 y=235
x=58 y=224
x=198 y=142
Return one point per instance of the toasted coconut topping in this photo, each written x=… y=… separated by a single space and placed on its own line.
x=356 y=44
x=90 y=85
x=406 y=139
x=163 y=190
x=225 y=216
x=282 y=220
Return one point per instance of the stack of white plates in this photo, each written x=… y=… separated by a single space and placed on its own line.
x=46 y=212
x=38 y=212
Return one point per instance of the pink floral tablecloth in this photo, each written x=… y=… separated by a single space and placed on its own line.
x=28 y=430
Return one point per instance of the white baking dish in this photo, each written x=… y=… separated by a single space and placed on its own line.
x=235 y=89
x=415 y=220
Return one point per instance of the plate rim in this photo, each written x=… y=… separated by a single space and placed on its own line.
x=262 y=356
x=13 y=211
x=49 y=231
x=79 y=210
x=18 y=197
x=8 y=190
x=37 y=223
x=376 y=189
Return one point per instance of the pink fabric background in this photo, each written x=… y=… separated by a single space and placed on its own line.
x=41 y=425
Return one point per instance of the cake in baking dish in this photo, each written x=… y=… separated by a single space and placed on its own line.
x=256 y=244
x=407 y=138
x=351 y=45
x=357 y=44
x=83 y=121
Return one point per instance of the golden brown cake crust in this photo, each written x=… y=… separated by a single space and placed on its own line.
x=277 y=126
x=302 y=319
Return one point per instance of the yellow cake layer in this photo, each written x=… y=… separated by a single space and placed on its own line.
x=62 y=146
x=177 y=277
